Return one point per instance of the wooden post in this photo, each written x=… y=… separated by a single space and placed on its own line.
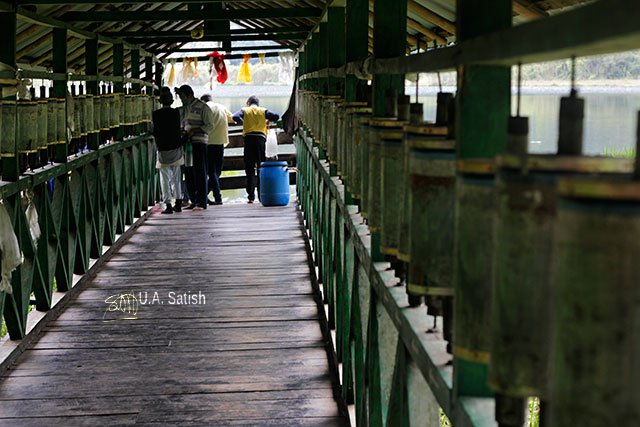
x=10 y=168
x=118 y=87
x=135 y=69
x=323 y=62
x=91 y=69
x=357 y=40
x=336 y=51
x=60 y=86
x=148 y=68
x=482 y=111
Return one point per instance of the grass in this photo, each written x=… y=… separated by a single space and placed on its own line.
x=444 y=421
x=626 y=152
x=533 y=412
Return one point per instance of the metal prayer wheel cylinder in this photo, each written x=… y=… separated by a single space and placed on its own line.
x=523 y=295
x=330 y=134
x=341 y=141
x=122 y=120
x=114 y=120
x=364 y=136
x=359 y=137
x=97 y=113
x=27 y=122
x=596 y=372
x=444 y=100
x=42 y=124
x=391 y=195
x=517 y=136
x=405 y=192
x=8 y=128
x=431 y=185
x=378 y=126
x=61 y=124
x=52 y=131
x=474 y=222
x=571 y=124
x=88 y=113
x=128 y=113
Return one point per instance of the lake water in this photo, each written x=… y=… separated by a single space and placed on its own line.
x=610 y=113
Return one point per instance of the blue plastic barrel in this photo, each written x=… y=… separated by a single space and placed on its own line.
x=274 y=184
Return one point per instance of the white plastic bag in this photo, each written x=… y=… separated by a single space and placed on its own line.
x=11 y=256
x=272 y=145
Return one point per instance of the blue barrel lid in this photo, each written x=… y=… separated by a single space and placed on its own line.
x=267 y=164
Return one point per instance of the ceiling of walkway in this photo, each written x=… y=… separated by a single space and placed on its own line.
x=161 y=28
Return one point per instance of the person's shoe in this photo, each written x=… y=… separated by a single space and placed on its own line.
x=217 y=202
x=190 y=207
x=178 y=206
x=250 y=201
x=168 y=210
x=210 y=202
x=185 y=203
x=198 y=208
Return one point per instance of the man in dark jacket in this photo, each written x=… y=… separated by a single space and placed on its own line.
x=166 y=130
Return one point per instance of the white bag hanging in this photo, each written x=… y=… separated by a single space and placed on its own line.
x=272 y=144
x=32 y=219
x=11 y=256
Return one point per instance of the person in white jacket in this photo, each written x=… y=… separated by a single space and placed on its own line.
x=218 y=138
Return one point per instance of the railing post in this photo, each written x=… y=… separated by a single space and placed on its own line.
x=482 y=111
x=10 y=168
x=60 y=86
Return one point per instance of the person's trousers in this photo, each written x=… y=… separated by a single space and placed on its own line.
x=171 y=183
x=199 y=171
x=254 y=146
x=187 y=182
x=215 y=160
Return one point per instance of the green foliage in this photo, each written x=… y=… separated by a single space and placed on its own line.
x=3 y=329
x=617 y=66
x=533 y=412
x=626 y=152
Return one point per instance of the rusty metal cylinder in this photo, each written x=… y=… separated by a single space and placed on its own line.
x=443 y=108
x=364 y=135
x=88 y=113
x=596 y=371
x=378 y=126
x=475 y=213
x=571 y=124
x=517 y=136
x=27 y=121
x=391 y=103
x=523 y=297
x=7 y=147
x=359 y=134
x=42 y=123
x=391 y=189
x=52 y=131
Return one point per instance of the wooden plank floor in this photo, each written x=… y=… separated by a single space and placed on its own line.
x=250 y=353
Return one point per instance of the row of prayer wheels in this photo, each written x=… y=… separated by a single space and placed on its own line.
x=37 y=125
x=531 y=260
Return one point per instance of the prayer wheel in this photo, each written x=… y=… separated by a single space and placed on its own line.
x=114 y=115
x=571 y=124
x=8 y=128
x=128 y=112
x=105 y=117
x=27 y=127
x=353 y=147
x=97 y=117
x=331 y=122
x=431 y=190
x=474 y=225
x=52 y=128
x=61 y=117
x=74 y=144
x=363 y=135
x=596 y=371
x=89 y=114
x=378 y=127
x=523 y=297
x=43 y=154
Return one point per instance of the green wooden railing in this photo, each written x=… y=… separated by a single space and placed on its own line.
x=93 y=198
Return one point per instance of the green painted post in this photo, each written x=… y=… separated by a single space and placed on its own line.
x=482 y=111
x=389 y=40
x=135 y=69
x=337 y=47
x=148 y=68
x=60 y=86
x=323 y=61
x=10 y=169
x=118 y=71
x=91 y=58
x=357 y=40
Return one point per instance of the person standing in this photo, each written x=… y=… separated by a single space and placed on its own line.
x=218 y=138
x=254 y=130
x=198 y=122
x=166 y=131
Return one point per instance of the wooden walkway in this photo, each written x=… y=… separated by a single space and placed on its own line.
x=249 y=351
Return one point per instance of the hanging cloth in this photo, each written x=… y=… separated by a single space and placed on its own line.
x=32 y=219
x=221 y=68
x=244 y=75
x=195 y=68
x=261 y=56
x=172 y=73
x=187 y=70
x=9 y=250
x=286 y=69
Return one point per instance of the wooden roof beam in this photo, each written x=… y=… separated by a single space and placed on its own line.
x=241 y=31
x=432 y=17
x=430 y=34
x=528 y=9
x=188 y=15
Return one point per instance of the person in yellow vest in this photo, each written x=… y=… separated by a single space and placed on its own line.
x=254 y=131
